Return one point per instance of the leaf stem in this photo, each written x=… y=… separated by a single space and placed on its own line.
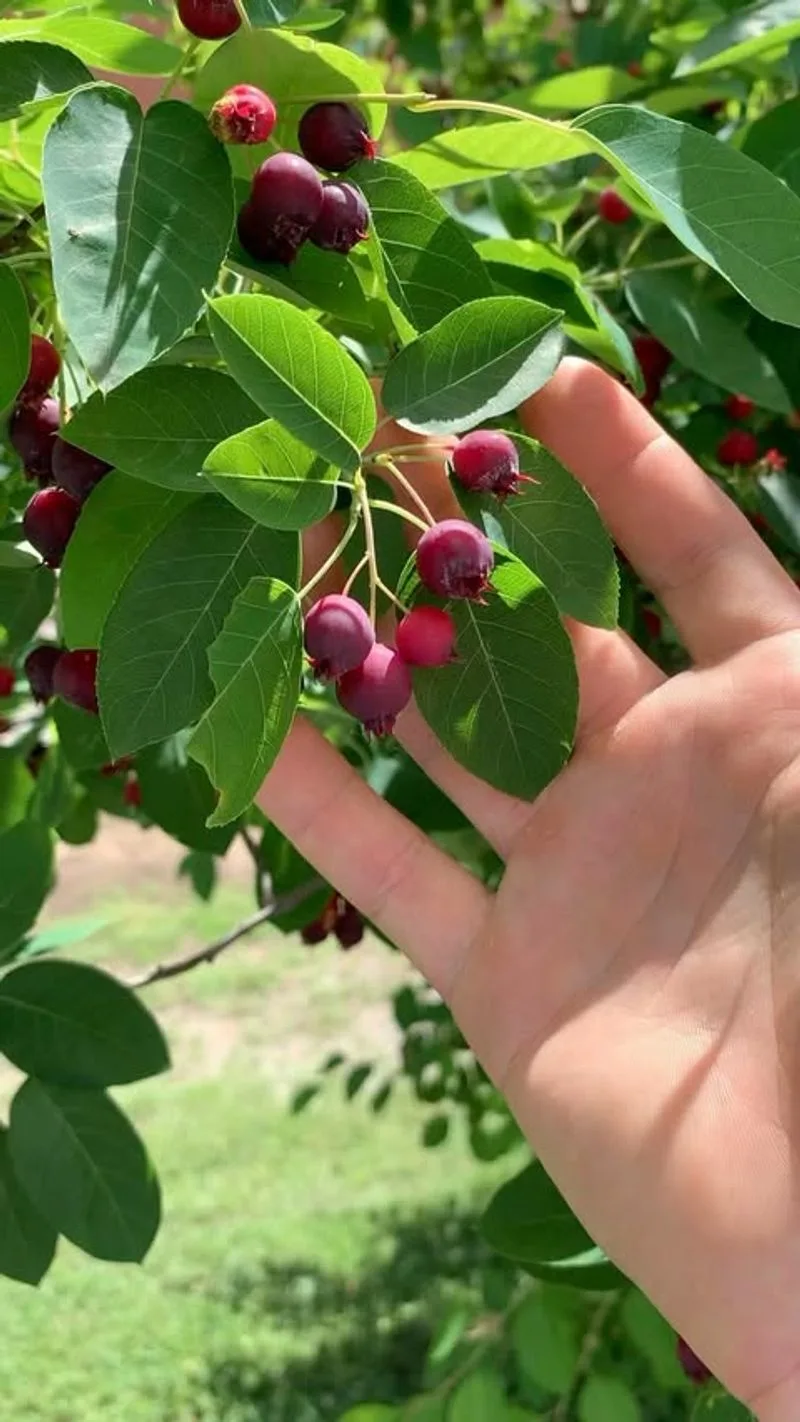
x=355 y=512
x=401 y=513
x=484 y=107
x=393 y=100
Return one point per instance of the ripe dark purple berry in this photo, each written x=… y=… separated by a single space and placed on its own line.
x=454 y=559
x=209 y=19
x=75 y=470
x=40 y=665
x=285 y=202
x=487 y=461
x=43 y=370
x=75 y=679
x=32 y=431
x=244 y=115
x=343 y=220
x=334 y=136
x=349 y=925
x=425 y=637
x=377 y=691
x=695 y=1370
x=338 y=635
x=49 y=520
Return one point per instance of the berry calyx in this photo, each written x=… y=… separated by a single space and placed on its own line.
x=49 y=520
x=8 y=679
x=43 y=370
x=426 y=636
x=486 y=461
x=40 y=665
x=32 y=431
x=454 y=559
x=338 y=635
x=737 y=447
x=334 y=136
x=132 y=794
x=75 y=470
x=612 y=208
x=244 y=114
x=377 y=691
x=209 y=19
x=285 y=202
x=259 y=240
x=75 y=679
x=695 y=1370
x=343 y=220
x=739 y=407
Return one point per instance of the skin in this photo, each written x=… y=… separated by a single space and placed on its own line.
x=634 y=986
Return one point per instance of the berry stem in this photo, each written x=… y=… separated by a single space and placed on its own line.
x=360 y=565
x=394 y=100
x=435 y=446
x=612 y=278
x=577 y=238
x=387 y=592
x=406 y=484
x=403 y=513
x=180 y=68
x=355 y=513
x=243 y=15
x=59 y=338
x=363 y=504
x=482 y=106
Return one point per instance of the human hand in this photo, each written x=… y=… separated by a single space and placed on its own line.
x=633 y=986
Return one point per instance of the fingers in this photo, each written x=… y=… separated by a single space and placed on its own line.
x=689 y=542
x=419 y=897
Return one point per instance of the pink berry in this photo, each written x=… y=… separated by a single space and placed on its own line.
x=32 y=431
x=612 y=208
x=775 y=461
x=695 y=1370
x=8 y=678
x=343 y=220
x=209 y=19
x=334 y=136
x=75 y=679
x=49 y=520
x=75 y=470
x=285 y=202
x=454 y=559
x=739 y=407
x=487 y=461
x=426 y=636
x=43 y=370
x=338 y=635
x=40 y=665
x=244 y=115
x=377 y=691
x=737 y=447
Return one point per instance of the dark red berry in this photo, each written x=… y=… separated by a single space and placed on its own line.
x=285 y=202
x=652 y=622
x=454 y=559
x=343 y=220
x=334 y=136
x=612 y=208
x=49 y=521
x=654 y=358
x=695 y=1370
x=8 y=680
x=32 y=432
x=244 y=115
x=259 y=239
x=42 y=372
x=487 y=461
x=426 y=636
x=75 y=470
x=132 y=794
x=737 y=447
x=377 y=691
x=314 y=932
x=75 y=679
x=40 y=665
x=349 y=926
x=209 y=19
x=338 y=635
x=739 y=407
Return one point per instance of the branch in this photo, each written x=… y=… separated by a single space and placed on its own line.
x=208 y=954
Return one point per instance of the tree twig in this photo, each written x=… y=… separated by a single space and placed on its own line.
x=160 y=971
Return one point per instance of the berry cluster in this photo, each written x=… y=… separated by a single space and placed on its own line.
x=338 y=917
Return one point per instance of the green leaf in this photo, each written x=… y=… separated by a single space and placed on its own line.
x=604 y=1399
x=554 y=528
x=63 y=935
x=272 y=477
x=98 y=41
x=591 y=1271
x=529 y=1220
x=507 y=708
x=31 y=73
x=139 y=211
x=81 y=737
x=161 y=424
x=370 y=1412
x=26 y=597
x=742 y=37
x=779 y=497
x=15 y=338
x=580 y=89
x=435 y=1131
x=85 y=1169
x=201 y=871
x=545 y=1342
x=296 y=372
x=26 y=871
x=270 y=12
x=773 y=141
x=704 y=338
x=178 y=796
x=16 y=788
x=122 y=514
x=71 y=1024
x=154 y=676
x=323 y=280
x=480 y=361
x=27 y=1242
x=54 y=788
x=706 y=192
x=15 y=559
x=718 y=1407
x=317 y=18
x=653 y=1337
x=256 y=663
x=482 y=1395
x=431 y=267
x=20 y=186
x=486 y=150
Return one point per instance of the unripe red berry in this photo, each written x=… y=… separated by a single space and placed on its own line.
x=334 y=136
x=694 y=1368
x=426 y=636
x=75 y=679
x=652 y=622
x=343 y=220
x=612 y=208
x=43 y=370
x=132 y=794
x=349 y=926
x=75 y=470
x=40 y=665
x=454 y=559
x=8 y=679
x=209 y=19
x=32 y=430
x=486 y=461
x=737 y=447
x=244 y=115
x=338 y=635
x=774 y=460
x=739 y=407
x=285 y=202
x=377 y=691
x=49 y=521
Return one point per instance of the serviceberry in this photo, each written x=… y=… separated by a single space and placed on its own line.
x=32 y=431
x=244 y=114
x=737 y=447
x=612 y=208
x=49 y=520
x=259 y=239
x=132 y=794
x=739 y=407
x=426 y=636
x=486 y=461
x=655 y=361
x=209 y=19
x=349 y=925
x=775 y=461
x=338 y=635
x=695 y=1370
x=40 y=665
x=343 y=220
x=8 y=679
x=285 y=202
x=652 y=622
x=75 y=679
x=334 y=136
x=75 y=470
x=377 y=691
x=43 y=370
x=454 y=559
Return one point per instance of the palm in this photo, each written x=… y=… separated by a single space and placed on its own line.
x=631 y=986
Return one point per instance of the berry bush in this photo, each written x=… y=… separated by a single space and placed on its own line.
x=241 y=279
